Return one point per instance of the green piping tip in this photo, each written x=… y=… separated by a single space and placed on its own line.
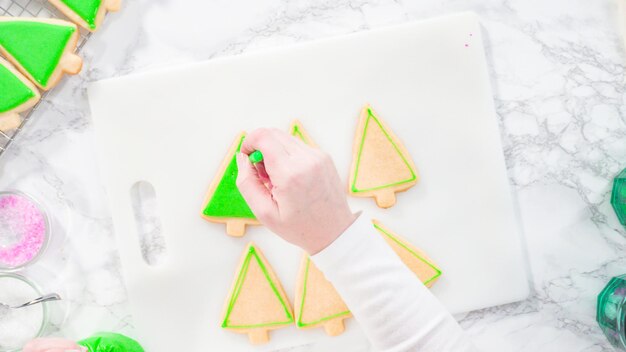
x=256 y=157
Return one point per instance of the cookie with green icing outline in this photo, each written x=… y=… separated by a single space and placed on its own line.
x=414 y=258
x=257 y=302
x=18 y=94
x=296 y=130
x=381 y=165
x=223 y=202
x=42 y=49
x=317 y=303
x=88 y=14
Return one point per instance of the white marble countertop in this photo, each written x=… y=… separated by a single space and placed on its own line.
x=558 y=73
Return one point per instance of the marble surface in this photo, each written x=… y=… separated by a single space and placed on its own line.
x=557 y=69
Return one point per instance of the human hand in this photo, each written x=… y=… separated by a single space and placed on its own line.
x=53 y=345
x=295 y=191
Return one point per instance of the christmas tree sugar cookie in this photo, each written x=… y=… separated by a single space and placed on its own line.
x=86 y=13
x=424 y=267
x=18 y=95
x=223 y=202
x=257 y=302
x=298 y=131
x=317 y=303
x=381 y=166
x=42 y=49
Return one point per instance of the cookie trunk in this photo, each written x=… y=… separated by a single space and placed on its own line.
x=235 y=228
x=9 y=121
x=71 y=63
x=334 y=327
x=385 y=198
x=113 y=5
x=259 y=337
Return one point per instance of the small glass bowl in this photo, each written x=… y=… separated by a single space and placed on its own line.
x=37 y=292
x=7 y=268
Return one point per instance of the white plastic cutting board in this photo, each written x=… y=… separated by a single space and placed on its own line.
x=172 y=127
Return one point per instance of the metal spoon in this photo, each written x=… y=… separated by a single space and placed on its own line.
x=46 y=298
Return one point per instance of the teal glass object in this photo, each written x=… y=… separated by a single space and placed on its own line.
x=611 y=312
x=618 y=196
x=256 y=157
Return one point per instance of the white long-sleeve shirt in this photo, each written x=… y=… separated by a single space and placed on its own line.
x=396 y=311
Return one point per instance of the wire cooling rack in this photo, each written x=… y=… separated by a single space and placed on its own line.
x=38 y=9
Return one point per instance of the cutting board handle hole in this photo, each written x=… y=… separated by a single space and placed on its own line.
x=149 y=230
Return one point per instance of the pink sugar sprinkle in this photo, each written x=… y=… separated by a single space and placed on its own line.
x=21 y=220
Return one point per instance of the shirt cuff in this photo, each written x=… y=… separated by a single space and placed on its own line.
x=346 y=243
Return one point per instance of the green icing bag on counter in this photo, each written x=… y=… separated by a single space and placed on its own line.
x=110 y=342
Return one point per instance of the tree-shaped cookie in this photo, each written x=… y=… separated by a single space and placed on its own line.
x=42 y=49
x=223 y=202
x=16 y=95
x=424 y=267
x=381 y=165
x=257 y=302
x=317 y=303
x=298 y=131
x=86 y=13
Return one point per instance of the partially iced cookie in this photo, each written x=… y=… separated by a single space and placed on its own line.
x=257 y=302
x=317 y=303
x=42 y=49
x=223 y=202
x=17 y=94
x=415 y=259
x=381 y=165
x=88 y=14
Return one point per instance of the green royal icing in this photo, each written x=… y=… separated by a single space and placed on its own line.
x=296 y=133
x=36 y=46
x=110 y=342
x=14 y=91
x=241 y=278
x=227 y=201
x=256 y=157
x=86 y=9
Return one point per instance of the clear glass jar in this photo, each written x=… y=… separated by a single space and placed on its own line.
x=18 y=231
x=20 y=325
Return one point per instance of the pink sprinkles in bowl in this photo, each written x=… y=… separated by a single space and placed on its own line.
x=23 y=230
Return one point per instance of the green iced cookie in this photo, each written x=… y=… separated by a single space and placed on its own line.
x=36 y=46
x=85 y=9
x=14 y=91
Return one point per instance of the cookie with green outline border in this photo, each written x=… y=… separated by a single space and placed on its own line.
x=42 y=49
x=257 y=302
x=317 y=303
x=381 y=165
x=88 y=14
x=18 y=95
x=223 y=202
x=296 y=130
x=425 y=268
